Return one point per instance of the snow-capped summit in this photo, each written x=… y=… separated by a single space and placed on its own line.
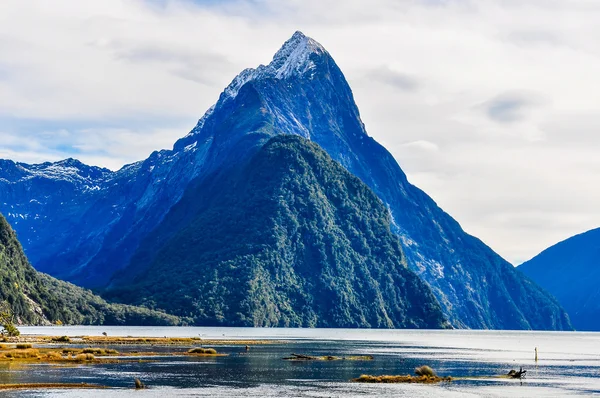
x=70 y=169
x=294 y=56
x=292 y=59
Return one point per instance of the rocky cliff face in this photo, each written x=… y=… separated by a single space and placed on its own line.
x=301 y=92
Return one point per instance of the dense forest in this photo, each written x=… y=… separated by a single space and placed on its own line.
x=288 y=239
x=38 y=299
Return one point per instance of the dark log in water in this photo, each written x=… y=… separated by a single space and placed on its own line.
x=301 y=357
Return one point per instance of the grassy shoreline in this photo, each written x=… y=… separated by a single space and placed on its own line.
x=130 y=340
x=95 y=350
x=33 y=386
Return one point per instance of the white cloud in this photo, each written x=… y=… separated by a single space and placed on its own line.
x=489 y=106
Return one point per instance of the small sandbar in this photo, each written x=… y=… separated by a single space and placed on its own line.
x=36 y=386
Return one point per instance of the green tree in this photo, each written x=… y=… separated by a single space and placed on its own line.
x=7 y=320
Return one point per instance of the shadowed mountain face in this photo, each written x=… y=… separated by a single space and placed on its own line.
x=570 y=270
x=301 y=92
x=39 y=299
x=288 y=239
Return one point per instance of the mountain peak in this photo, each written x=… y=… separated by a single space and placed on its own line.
x=294 y=55
x=292 y=59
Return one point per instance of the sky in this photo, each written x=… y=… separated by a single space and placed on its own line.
x=491 y=107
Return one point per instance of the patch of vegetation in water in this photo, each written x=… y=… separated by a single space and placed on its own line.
x=93 y=351
x=200 y=350
x=401 y=379
x=423 y=375
x=204 y=352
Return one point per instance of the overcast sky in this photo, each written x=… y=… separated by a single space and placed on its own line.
x=491 y=107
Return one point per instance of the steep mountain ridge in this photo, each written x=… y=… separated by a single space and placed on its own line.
x=570 y=270
x=288 y=239
x=303 y=92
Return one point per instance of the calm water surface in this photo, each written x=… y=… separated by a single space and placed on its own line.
x=569 y=364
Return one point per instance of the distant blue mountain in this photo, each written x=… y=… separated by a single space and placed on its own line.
x=85 y=224
x=570 y=270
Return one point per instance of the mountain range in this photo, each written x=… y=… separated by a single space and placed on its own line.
x=97 y=228
x=570 y=270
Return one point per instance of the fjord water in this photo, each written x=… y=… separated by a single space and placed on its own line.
x=569 y=364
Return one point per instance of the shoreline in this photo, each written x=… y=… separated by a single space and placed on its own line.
x=33 y=386
x=134 y=340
